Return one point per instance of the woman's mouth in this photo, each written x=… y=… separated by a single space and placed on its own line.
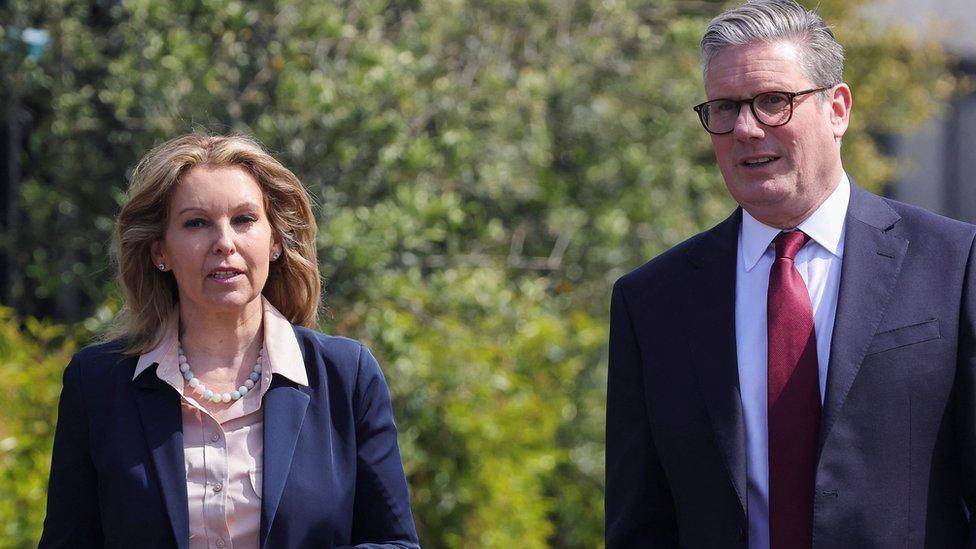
x=224 y=276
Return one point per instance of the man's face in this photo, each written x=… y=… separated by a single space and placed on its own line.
x=779 y=175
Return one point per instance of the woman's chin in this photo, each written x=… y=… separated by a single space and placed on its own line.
x=229 y=303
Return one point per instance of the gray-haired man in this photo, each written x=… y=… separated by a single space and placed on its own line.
x=804 y=373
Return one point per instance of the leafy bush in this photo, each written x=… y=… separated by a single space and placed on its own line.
x=33 y=355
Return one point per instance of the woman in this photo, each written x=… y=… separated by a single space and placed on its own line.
x=217 y=418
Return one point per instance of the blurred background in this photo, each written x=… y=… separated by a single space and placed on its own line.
x=483 y=169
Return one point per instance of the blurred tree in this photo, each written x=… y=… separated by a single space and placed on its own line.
x=485 y=170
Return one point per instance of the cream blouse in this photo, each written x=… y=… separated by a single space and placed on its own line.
x=223 y=451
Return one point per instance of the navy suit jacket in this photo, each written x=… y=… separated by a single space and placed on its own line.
x=332 y=471
x=897 y=448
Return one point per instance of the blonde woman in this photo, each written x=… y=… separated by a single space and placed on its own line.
x=215 y=417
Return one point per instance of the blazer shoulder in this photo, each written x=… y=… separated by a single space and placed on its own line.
x=337 y=347
x=928 y=232
x=674 y=263
x=340 y=355
x=99 y=358
x=667 y=262
x=921 y=218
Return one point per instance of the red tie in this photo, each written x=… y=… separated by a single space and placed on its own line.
x=793 y=399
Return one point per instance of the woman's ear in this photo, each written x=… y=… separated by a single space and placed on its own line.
x=156 y=254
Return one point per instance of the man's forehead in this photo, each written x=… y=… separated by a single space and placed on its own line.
x=743 y=71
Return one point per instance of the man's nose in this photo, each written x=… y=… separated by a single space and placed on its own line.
x=746 y=124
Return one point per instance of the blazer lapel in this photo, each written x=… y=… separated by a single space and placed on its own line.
x=871 y=262
x=159 y=410
x=710 y=322
x=284 y=413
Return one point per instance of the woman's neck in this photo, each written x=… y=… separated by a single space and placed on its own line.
x=220 y=341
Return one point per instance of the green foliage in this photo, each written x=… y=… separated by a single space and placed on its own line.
x=32 y=356
x=484 y=171
x=485 y=380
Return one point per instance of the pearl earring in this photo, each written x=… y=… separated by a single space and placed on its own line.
x=275 y=256
x=162 y=266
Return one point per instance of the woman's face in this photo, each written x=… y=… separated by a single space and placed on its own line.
x=218 y=240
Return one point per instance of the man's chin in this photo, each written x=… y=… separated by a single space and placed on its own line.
x=761 y=191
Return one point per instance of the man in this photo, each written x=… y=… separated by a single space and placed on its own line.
x=803 y=373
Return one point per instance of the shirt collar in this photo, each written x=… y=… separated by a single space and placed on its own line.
x=282 y=351
x=281 y=346
x=825 y=226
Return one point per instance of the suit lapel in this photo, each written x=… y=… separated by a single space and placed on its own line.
x=710 y=322
x=284 y=413
x=159 y=411
x=871 y=262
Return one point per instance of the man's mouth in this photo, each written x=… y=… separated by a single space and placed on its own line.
x=759 y=161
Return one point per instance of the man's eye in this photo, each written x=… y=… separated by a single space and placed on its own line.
x=772 y=101
x=724 y=107
x=194 y=223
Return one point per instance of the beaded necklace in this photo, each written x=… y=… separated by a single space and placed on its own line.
x=194 y=382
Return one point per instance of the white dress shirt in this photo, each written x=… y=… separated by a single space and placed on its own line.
x=819 y=263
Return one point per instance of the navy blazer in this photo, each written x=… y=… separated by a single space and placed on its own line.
x=332 y=471
x=897 y=446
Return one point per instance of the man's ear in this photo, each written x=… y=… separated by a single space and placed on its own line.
x=840 y=109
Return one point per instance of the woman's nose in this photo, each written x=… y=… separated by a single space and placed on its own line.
x=223 y=239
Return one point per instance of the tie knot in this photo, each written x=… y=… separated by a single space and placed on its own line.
x=789 y=242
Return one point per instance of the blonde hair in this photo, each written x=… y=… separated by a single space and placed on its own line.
x=149 y=294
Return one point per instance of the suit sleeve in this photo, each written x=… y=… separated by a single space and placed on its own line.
x=639 y=508
x=73 y=518
x=966 y=392
x=381 y=513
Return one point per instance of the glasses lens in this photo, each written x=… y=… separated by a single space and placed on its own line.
x=773 y=108
x=719 y=115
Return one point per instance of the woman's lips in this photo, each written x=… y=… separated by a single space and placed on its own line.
x=225 y=276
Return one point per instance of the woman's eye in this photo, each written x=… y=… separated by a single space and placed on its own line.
x=245 y=219
x=194 y=223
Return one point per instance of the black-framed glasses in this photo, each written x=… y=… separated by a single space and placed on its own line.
x=772 y=108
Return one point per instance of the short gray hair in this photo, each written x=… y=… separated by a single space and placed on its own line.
x=821 y=56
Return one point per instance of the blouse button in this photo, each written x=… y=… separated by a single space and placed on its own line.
x=220 y=543
x=218 y=487
x=214 y=437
